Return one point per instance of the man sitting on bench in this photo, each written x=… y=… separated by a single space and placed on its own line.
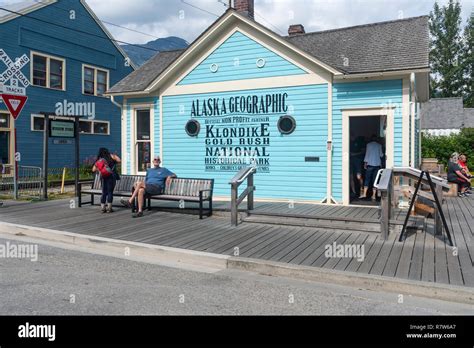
x=155 y=181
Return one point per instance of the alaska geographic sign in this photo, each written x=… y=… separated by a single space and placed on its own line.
x=237 y=130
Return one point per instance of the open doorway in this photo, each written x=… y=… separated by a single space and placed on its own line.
x=364 y=130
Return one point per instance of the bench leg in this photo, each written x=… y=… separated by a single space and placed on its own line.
x=149 y=204
x=200 y=208
x=210 y=208
x=92 y=199
x=79 y=199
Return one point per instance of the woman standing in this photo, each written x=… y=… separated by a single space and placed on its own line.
x=106 y=165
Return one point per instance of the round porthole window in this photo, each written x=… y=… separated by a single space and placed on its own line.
x=214 y=67
x=261 y=62
x=192 y=128
x=286 y=124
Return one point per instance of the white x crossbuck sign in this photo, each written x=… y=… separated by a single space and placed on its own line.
x=14 y=69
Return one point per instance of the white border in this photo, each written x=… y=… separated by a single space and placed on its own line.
x=389 y=112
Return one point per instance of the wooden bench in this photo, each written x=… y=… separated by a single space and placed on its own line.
x=177 y=189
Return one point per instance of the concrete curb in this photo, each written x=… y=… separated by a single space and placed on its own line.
x=221 y=262
x=116 y=246
x=450 y=293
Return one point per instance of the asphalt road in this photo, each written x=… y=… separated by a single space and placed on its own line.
x=70 y=282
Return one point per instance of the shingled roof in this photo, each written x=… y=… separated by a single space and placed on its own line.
x=446 y=113
x=386 y=46
x=147 y=73
x=379 y=47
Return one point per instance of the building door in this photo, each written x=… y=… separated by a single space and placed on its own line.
x=143 y=141
x=6 y=139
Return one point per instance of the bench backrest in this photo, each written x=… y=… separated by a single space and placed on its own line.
x=124 y=185
x=176 y=186
x=189 y=187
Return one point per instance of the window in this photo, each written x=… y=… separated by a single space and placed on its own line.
x=101 y=128
x=95 y=81
x=6 y=140
x=48 y=71
x=91 y=127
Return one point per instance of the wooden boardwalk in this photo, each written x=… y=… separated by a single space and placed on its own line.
x=422 y=256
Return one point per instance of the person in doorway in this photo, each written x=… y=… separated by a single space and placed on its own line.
x=372 y=164
x=155 y=181
x=106 y=166
x=357 y=149
x=456 y=175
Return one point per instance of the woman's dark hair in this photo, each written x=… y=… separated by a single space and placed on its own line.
x=104 y=153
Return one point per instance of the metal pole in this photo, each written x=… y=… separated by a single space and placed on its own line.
x=412 y=203
x=250 y=195
x=15 y=166
x=45 y=156
x=234 y=208
x=76 y=135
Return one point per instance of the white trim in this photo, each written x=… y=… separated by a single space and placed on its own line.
x=405 y=108
x=232 y=14
x=380 y=74
x=123 y=135
x=65 y=118
x=242 y=85
x=389 y=112
x=161 y=128
x=11 y=130
x=48 y=64
x=96 y=69
x=329 y=198
x=133 y=138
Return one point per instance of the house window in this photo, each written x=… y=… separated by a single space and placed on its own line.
x=48 y=71
x=95 y=81
x=6 y=140
x=91 y=127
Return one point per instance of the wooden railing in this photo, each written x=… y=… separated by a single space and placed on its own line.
x=236 y=199
x=384 y=183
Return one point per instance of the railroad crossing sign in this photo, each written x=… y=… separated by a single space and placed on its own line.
x=14 y=95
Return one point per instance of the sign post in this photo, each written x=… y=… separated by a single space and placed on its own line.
x=60 y=129
x=14 y=97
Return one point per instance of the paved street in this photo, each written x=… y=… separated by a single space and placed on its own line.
x=69 y=282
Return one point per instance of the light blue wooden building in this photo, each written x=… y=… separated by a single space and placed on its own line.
x=73 y=61
x=243 y=95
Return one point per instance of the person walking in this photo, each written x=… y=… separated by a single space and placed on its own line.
x=106 y=166
x=372 y=164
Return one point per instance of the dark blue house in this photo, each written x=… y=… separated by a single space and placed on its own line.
x=73 y=62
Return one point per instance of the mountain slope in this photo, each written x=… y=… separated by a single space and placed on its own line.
x=139 y=55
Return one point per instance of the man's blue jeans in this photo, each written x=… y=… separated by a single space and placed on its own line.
x=370 y=175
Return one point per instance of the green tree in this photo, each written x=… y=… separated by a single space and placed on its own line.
x=446 y=56
x=468 y=63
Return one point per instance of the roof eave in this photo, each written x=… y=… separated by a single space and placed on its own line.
x=26 y=10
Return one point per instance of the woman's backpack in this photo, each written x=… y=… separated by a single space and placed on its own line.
x=104 y=169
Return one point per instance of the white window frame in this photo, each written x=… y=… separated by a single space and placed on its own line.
x=12 y=136
x=68 y=119
x=95 y=68
x=48 y=60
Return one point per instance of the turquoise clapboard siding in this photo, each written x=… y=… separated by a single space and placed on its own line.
x=130 y=146
x=237 y=58
x=363 y=94
x=290 y=176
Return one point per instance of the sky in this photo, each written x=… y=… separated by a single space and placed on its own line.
x=189 y=18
